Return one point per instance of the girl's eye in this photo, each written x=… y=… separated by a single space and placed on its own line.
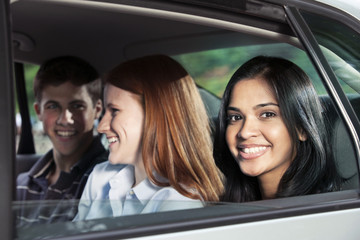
x=268 y=115
x=114 y=111
x=233 y=118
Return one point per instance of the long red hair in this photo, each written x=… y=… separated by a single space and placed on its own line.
x=176 y=143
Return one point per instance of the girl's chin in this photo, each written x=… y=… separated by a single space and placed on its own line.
x=250 y=172
x=113 y=160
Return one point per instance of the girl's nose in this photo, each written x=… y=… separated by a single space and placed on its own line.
x=104 y=124
x=248 y=129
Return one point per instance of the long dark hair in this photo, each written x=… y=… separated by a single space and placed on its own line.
x=313 y=169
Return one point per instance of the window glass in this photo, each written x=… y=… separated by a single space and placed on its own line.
x=211 y=70
x=340 y=45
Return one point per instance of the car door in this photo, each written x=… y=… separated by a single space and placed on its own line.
x=319 y=216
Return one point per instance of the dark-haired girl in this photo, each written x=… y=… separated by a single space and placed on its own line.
x=271 y=139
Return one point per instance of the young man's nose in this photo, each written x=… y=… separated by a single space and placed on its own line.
x=66 y=117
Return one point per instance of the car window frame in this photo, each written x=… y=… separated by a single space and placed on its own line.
x=7 y=126
x=325 y=71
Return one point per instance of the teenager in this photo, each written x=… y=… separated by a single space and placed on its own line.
x=271 y=139
x=68 y=101
x=159 y=141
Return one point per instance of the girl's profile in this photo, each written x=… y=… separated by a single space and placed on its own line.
x=159 y=142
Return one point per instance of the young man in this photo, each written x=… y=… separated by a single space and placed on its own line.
x=68 y=101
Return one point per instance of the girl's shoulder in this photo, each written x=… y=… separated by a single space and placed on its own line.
x=107 y=167
x=169 y=199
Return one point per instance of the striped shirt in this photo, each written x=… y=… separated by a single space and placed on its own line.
x=58 y=201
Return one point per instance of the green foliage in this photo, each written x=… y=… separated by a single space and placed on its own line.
x=213 y=69
x=30 y=72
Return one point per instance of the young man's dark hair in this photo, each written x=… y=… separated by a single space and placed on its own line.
x=67 y=68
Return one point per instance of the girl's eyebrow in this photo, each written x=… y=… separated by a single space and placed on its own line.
x=112 y=105
x=266 y=104
x=230 y=108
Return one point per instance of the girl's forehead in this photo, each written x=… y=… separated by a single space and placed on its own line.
x=118 y=96
x=253 y=88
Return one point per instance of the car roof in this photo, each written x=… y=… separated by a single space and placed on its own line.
x=351 y=7
x=118 y=32
x=109 y=32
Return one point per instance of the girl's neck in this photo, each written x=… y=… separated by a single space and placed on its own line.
x=269 y=182
x=140 y=173
x=269 y=186
x=268 y=191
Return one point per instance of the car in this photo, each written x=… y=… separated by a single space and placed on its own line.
x=210 y=38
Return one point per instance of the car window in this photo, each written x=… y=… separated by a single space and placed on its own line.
x=211 y=71
x=340 y=45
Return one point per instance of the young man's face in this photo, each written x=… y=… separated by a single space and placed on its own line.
x=68 y=115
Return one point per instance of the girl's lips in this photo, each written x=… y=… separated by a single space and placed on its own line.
x=112 y=140
x=252 y=152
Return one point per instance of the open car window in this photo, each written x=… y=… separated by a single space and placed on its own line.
x=211 y=43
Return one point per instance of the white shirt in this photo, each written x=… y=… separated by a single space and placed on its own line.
x=109 y=193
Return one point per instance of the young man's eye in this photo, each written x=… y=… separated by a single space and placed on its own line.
x=51 y=106
x=78 y=106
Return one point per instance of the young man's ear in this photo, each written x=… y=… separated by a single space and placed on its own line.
x=98 y=108
x=38 y=110
x=302 y=135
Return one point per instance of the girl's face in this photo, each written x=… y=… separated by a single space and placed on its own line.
x=123 y=124
x=256 y=133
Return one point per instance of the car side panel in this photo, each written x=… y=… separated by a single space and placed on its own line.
x=330 y=225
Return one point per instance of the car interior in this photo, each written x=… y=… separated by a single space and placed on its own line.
x=114 y=36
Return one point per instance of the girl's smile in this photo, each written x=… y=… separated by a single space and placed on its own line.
x=256 y=133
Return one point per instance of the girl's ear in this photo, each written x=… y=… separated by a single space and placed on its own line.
x=302 y=135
